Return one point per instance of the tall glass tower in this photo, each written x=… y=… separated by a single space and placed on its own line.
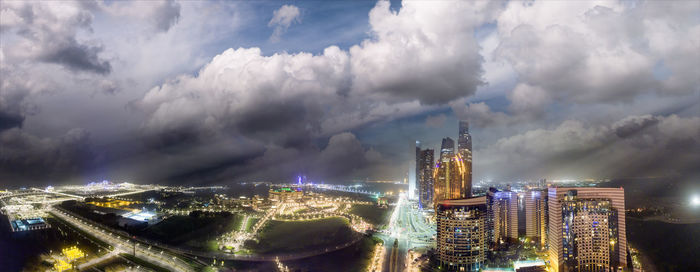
x=464 y=149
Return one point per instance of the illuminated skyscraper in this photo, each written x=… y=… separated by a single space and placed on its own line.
x=447 y=149
x=426 y=184
x=587 y=229
x=450 y=178
x=502 y=218
x=464 y=149
x=536 y=216
x=413 y=170
x=461 y=233
x=464 y=142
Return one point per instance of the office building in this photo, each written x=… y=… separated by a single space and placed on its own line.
x=461 y=233
x=426 y=184
x=536 y=216
x=464 y=149
x=587 y=229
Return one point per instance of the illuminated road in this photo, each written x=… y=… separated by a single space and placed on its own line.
x=131 y=192
x=121 y=244
x=94 y=261
x=59 y=193
x=411 y=229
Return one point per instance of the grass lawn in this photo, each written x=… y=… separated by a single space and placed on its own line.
x=353 y=258
x=236 y=222
x=295 y=236
x=373 y=214
x=195 y=232
x=251 y=223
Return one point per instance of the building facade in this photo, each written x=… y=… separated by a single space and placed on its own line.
x=413 y=170
x=461 y=233
x=447 y=149
x=587 y=229
x=426 y=182
x=285 y=194
x=536 y=216
x=449 y=179
x=504 y=206
x=464 y=149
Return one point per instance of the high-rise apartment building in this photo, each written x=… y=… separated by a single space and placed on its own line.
x=461 y=233
x=426 y=184
x=464 y=149
x=536 y=216
x=587 y=229
x=502 y=218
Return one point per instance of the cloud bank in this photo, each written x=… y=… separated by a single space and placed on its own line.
x=552 y=89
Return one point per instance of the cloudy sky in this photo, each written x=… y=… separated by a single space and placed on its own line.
x=218 y=92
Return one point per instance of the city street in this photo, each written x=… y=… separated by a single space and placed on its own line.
x=410 y=228
x=121 y=244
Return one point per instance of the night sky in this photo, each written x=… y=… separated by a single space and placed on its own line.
x=198 y=92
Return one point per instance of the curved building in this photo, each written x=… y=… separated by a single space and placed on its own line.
x=461 y=233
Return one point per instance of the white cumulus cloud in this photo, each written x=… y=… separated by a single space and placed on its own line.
x=282 y=18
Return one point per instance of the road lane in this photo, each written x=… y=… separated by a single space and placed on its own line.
x=121 y=244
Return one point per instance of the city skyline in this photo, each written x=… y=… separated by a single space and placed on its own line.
x=358 y=136
x=158 y=92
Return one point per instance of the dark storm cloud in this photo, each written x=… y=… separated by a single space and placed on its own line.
x=635 y=146
x=49 y=31
x=10 y=120
x=288 y=123
x=635 y=126
x=77 y=57
x=342 y=159
x=287 y=101
x=249 y=115
x=26 y=157
x=16 y=90
x=167 y=15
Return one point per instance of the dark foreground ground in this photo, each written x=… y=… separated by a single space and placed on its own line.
x=671 y=247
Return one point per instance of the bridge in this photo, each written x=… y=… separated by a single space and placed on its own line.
x=348 y=189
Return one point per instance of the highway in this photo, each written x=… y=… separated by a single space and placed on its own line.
x=122 y=244
x=409 y=229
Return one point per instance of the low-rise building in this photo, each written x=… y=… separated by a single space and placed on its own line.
x=285 y=193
